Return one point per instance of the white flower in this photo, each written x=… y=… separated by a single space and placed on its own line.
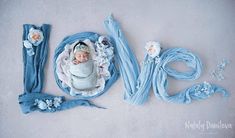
x=153 y=48
x=27 y=44
x=49 y=103
x=57 y=101
x=101 y=53
x=29 y=47
x=30 y=51
x=35 y=36
x=104 y=72
x=109 y=52
x=42 y=105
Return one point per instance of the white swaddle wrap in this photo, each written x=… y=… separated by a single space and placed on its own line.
x=84 y=86
x=83 y=75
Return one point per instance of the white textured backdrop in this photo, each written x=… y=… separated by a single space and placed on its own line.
x=206 y=27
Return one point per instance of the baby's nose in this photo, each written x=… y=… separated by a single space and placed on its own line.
x=84 y=58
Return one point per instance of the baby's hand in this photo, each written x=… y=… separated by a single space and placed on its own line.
x=76 y=62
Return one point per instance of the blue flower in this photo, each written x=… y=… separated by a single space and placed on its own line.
x=49 y=104
x=57 y=101
x=157 y=60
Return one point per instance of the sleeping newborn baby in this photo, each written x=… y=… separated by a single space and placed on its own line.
x=82 y=68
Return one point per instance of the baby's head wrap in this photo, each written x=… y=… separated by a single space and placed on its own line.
x=81 y=46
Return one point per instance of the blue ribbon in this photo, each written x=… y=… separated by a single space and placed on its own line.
x=155 y=72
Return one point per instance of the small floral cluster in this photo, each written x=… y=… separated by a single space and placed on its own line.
x=35 y=37
x=217 y=73
x=204 y=88
x=104 y=52
x=49 y=104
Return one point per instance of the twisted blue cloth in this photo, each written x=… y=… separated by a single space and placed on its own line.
x=33 y=98
x=155 y=72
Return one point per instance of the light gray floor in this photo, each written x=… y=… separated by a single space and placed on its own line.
x=206 y=27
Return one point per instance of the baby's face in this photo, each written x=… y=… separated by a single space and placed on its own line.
x=81 y=56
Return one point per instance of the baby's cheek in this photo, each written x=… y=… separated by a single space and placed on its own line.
x=78 y=58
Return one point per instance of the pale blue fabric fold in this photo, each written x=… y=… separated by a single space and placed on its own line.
x=34 y=79
x=155 y=71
